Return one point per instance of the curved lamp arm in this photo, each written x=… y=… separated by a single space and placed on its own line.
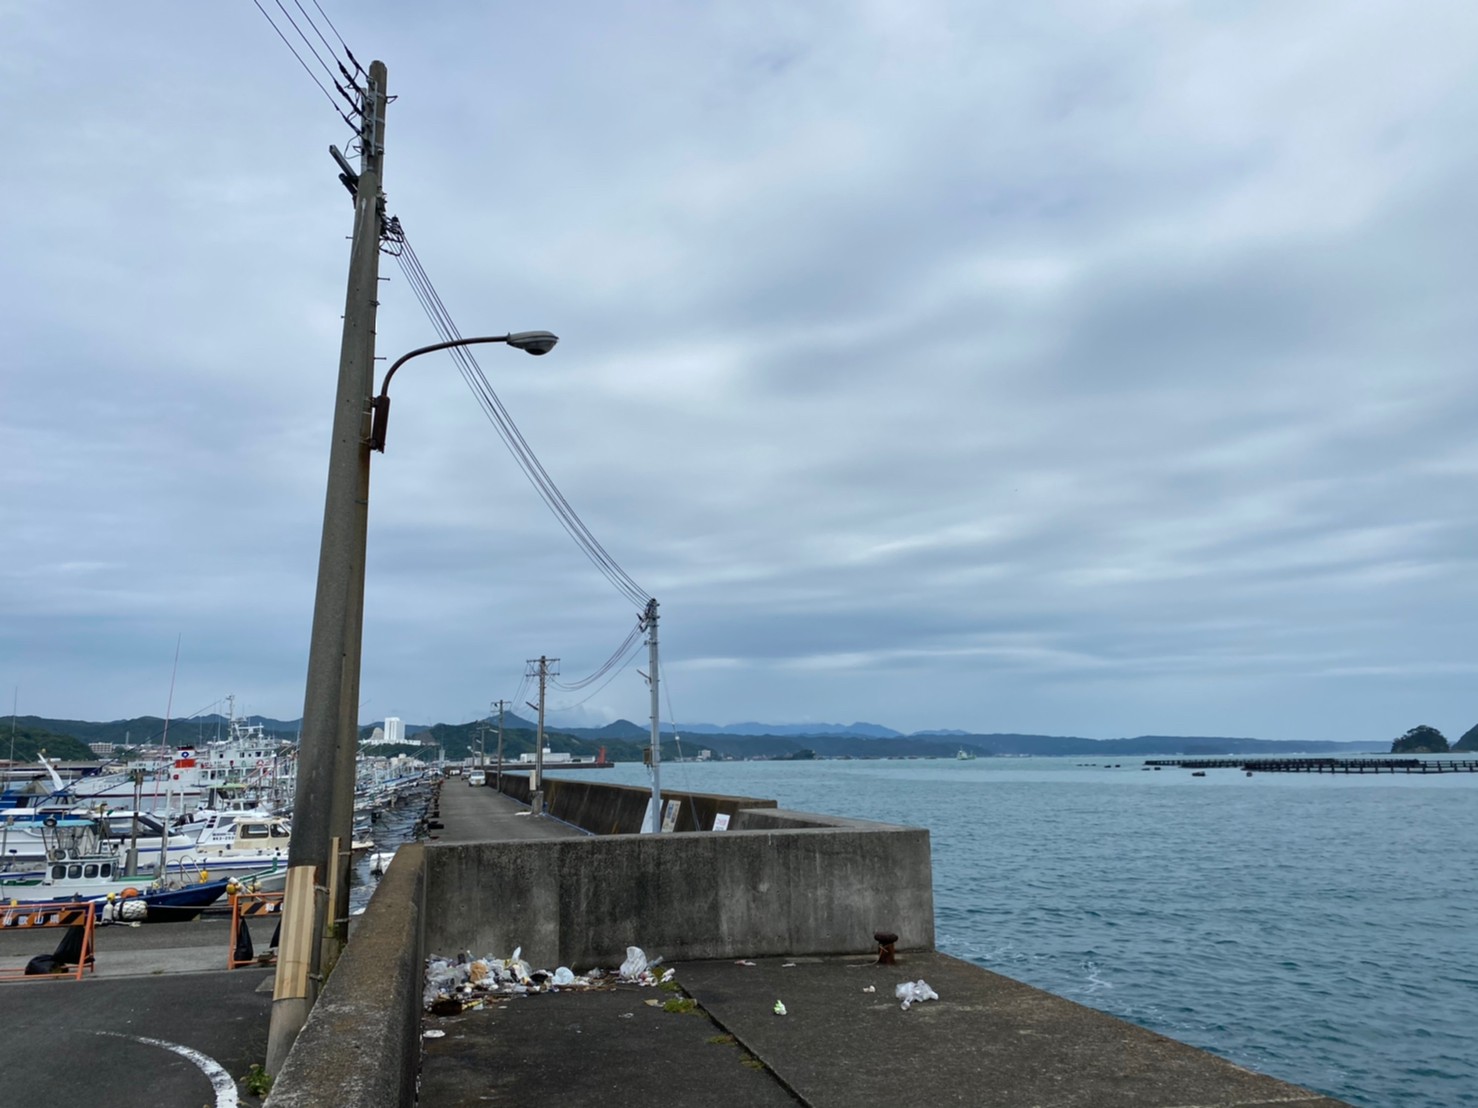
x=531 y=342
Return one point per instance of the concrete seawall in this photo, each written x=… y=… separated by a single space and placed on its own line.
x=580 y=902
x=362 y=1042
x=799 y=884
x=603 y=809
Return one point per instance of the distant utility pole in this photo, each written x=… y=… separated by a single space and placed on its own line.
x=540 y=667
x=649 y=622
x=315 y=901
x=500 y=705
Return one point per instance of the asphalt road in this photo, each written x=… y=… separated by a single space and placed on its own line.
x=153 y=1028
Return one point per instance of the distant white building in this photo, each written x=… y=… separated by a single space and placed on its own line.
x=394 y=729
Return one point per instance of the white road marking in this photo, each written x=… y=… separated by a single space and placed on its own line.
x=220 y=1080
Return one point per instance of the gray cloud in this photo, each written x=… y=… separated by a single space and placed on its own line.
x=1075 y=367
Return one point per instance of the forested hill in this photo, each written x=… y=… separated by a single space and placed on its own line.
x=27 y=740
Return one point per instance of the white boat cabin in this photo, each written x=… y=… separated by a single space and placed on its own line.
x=245 y=833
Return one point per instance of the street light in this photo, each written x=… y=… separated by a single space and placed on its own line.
x=532 y=342
x=316 y=896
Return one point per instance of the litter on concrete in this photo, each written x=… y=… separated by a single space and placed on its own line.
x=463 y=982
x=914 y=992
x=638 y=969
x=779 y=1007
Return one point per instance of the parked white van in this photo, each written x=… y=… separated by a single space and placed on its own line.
x=477 y=777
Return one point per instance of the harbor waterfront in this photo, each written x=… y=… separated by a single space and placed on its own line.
x=1318 y=929
x=782 y=905
x=1112 y=885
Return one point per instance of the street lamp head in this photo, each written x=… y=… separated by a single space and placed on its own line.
x=533 y=342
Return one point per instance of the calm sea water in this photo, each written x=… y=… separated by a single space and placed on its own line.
x=1320 y=929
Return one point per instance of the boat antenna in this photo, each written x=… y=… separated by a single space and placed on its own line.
x=15 y=700
x=169 y=704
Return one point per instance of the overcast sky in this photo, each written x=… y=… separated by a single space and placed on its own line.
x=1097 y=368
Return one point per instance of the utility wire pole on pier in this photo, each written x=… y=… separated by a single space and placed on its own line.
x=500 y=706
x=649 y=621
x=315 y=901
x=544 y=672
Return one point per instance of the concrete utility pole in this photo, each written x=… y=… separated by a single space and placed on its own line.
x=316 y=897
x=649 y=620
x=536 y=794
x=500 y=705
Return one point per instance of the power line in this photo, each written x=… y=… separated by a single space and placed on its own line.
x=352 y=59
x=597 y=690
x=326 y=44
x=306 y=67
x=512 y=437
x=502 y=421
x=620 y=658
x=306 y=40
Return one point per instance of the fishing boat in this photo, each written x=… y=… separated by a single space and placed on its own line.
x=239 y=844
x=23 y=836
x=246 y=763
x=83 y=864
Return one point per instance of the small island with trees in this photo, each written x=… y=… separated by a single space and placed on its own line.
x=1421 y=740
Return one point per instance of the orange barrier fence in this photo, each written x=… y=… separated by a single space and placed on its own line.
x=81 y=914
x=245 y=906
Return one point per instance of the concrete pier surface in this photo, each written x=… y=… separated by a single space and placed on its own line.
x=987 y=1041
x=844 y=1039
x=470 y=814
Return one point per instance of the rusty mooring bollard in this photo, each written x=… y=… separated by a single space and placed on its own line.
x=885 y=939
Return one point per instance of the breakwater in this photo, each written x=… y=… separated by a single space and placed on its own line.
x=1323 y=765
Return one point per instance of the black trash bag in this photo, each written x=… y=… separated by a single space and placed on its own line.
x=276 y=933
x=244 y=951
x=42 y=964
x=69 y=951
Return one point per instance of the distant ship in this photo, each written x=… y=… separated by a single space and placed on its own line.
x=965 y=755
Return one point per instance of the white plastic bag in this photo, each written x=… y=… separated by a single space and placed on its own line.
x=914 y=992
x=635 y=964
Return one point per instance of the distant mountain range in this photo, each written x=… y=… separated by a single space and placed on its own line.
x=855 y=730
x=864 y=740
x=624 y=739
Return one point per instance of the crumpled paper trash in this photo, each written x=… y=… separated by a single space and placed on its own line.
x=914 y=992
